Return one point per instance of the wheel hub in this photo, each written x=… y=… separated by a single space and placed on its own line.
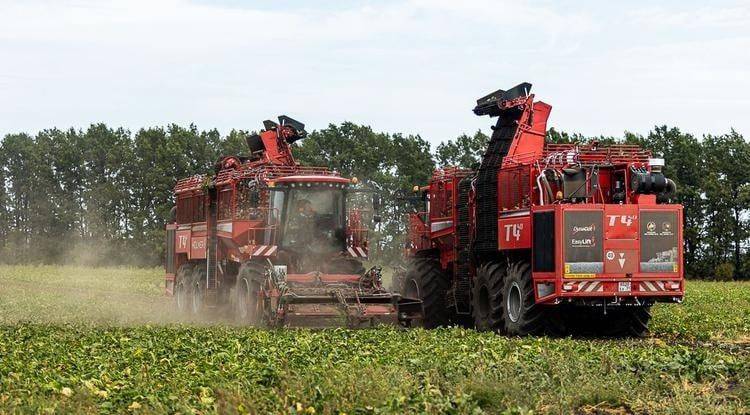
x=197 y=298
x=180 y=296
x=412 y=289
x=242 y=303
x=514 y=302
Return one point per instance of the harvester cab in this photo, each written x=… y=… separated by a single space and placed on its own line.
x=276 y=243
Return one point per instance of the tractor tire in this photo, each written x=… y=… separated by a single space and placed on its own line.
x=426 y=280
x=617 y=323
x=487 y=297
x=250 y=304
x=197 y=291
x=521 y=315
x=636 y=321
x=182 y=286
x=625 y=322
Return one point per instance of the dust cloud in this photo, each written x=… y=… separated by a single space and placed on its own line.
x=83 y=294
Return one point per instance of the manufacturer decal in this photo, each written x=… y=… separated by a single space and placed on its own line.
x=626 y=220
x=587 y=228
x=514 y=230
x=666 y=229
x=583 y=243
x=182 y=241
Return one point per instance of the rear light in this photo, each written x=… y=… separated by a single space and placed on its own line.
x=568 y=286
x=674 y=286
x=544 y=289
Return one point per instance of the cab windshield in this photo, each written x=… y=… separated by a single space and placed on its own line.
x=314 y=219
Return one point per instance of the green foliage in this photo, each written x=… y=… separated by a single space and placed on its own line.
x=62 y=350
x=465 y=151
x=724 y=271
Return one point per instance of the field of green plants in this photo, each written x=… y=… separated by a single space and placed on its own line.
x=92 y=340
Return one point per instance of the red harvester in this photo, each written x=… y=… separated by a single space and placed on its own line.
x=571 y=238
x=275 y=242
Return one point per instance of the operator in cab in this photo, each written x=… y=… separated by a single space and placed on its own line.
x=303 y=223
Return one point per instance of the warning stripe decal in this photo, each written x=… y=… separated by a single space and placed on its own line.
x=584 y=286
x=357 y=252
x=651 y=286
x=264 y=250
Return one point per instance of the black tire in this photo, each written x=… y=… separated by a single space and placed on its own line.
x=198 y=291
x=182 y=284
x=618 y=322
x=636 y=321
x=624 y=322
x=521 y=315
x=426 y=280
x=487 y=297
x=250 y=304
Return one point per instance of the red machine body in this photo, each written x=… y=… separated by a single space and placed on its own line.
x=275 y=242
x=592 y=223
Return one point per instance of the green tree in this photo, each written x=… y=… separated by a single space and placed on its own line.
x=464 y=151
x=726 y=191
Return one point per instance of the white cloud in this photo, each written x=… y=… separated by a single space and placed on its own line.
x=414 y=66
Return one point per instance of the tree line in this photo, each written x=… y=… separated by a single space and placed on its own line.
x=101 y=196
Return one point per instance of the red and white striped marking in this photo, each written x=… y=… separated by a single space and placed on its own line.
x=357 y=252
x=584 y=286
x=652 y=286
x=264 y=250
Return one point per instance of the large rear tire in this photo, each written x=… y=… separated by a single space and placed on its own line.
x=636 y=321
x=521 y=315
x=198 y=291
x=182 y=285
x=250 y=305
x=618 y=322
x=427 y=281
x=487 y=297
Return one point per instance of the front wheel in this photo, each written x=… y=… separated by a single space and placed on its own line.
x=182 y=288
x=427 y=281
x=198 y=291
x=521 y=315
x=250 y=297
x=487 y=297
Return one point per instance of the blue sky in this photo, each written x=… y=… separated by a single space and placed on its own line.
x=400 y=66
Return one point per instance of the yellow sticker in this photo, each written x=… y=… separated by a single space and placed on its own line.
x=674 y=268
x=567 y=268
x=579 y=276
